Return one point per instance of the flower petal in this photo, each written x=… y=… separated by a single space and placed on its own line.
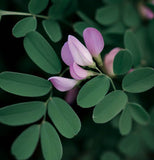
x=66 y=55
x=77 y=72
x=108 y=61
x=93 y=40
x=63 y=84
x=79 y=52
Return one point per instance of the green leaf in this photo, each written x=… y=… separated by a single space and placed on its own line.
x=130 y=145
x=139 y=80
x=131 y=44
x=110 y=156
x=24 y=26
x=107 y=15
x=93 y=91
x=112 y=1
x=62 y=8
x=50 y=142
x=24 y=84
x=151 y=31
x=148 y=137
x=37 y=6
x=130 y=15
x=53 y=30
x=122 y=62
x=80 y=26
x=117 y=28
x=42 y=53
x=25 y=144
x=125 y=121
x=22 y=113
x=110 y=106
x=63 y=117
x=138 y=113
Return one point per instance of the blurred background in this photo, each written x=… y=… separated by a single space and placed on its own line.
x=94 y=142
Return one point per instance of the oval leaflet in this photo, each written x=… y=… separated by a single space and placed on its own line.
x=110 y=106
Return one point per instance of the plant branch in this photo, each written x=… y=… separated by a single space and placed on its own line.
x=9 y=13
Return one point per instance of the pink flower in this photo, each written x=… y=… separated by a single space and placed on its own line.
x=93 y=40
x=62 y=84
x=146 y=12
x=79 y=52
x=71 y=95
x=79 y=73
x=108 y=61
x=66 y=54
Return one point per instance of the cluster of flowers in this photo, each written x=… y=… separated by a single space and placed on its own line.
x=145 y=11
x=76 y=55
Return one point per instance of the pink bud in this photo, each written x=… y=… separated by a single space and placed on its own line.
x=71 y=95
x=79 y=52
x=146 y=12
x=63 y=84
x=93 y=40
x=108 y=61
x=131 y=70
x=152 y=1
x=66 y=55
x=77 y=72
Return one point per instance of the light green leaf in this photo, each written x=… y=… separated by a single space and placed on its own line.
x=24 y=26
x=131 y=44
x=37 y=6
x=42 y=53
x=139 y=80
x=93 y=91
x=63 y=117
x=130 y=15
x=24 y=84
x=22 y=113
x=122 y=62
x=110 y=106
x=25 y=144
x=110 y=156
x=50 y=142
x=107 y=15
x=125 y=121
x=53 y=30
x=138 y=113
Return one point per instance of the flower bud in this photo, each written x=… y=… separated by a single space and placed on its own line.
x=71 y=95
x=146 y=12
x=108 y=61
x=62 y=84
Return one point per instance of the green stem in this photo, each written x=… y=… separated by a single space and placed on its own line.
x=112 y=84
x=98 y=70
x=5 y=13
x=64 y=72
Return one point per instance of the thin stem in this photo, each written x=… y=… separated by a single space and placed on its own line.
x=5 y=13
x=64 y=72
x=112 y=84
x=98 y=70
